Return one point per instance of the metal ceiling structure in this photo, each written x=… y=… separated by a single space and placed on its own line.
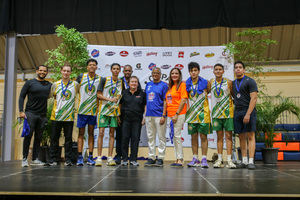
x=31 y=48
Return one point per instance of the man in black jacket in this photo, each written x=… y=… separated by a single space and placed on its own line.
x=37 y=91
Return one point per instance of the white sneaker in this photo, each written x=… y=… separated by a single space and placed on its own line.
x=111 y=162
x=98 y=161
x=230 y=165
x=218 y=164
x=25 y=163
x=134 y=163
x=124 y=163
x=37 y=162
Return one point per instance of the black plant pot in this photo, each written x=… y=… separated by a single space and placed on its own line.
x=270 y=155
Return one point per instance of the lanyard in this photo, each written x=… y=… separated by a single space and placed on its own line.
x=238 y=87
x=126 y=85
x=218 y=90
x=63 y=91
x=113 y=88
x=91 y=86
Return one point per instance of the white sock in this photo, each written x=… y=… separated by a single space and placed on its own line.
x=203 y=157
x=220 y=156
x=251 y=161
x=228 y=157
x=195 y=156
x=245 y=160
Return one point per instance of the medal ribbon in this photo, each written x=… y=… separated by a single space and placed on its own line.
x=218 y=90
x=63 y=91
x=194 y=89
x=126 y=85
x=91 y=86
x=238 y=87
x=114 y=88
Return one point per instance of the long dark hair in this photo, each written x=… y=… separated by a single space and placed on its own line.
x=171 y=82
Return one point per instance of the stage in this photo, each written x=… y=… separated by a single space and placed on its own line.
x=61 y=182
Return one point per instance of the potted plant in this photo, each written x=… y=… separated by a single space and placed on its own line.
x=268 y=112
x=45 y=140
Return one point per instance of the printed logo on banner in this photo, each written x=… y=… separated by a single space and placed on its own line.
x=207 y=67
x=167 y=54
x=151 y=66
x=224 y=53
x=138 y=66
x=110 y=53
x=137 y=53
x=166 y=66
x=95 y=53
x=194 y=54
x=151 y=54
x=209 y=55
x=181 y=54
x=123 y=53
x=179 y=66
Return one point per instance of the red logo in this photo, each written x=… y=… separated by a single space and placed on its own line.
x=179 y=66
x=123 y=53
x=181 y=54
x=208 y=67
x=151 y=54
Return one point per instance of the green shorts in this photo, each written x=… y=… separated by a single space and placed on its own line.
x=204 y=128
x=223 y=124
x=107 y=121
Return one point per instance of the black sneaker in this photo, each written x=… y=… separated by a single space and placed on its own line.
x=150 y=162
x=241 y=165
x=159 y=163
x=251 y=166
x=118 y=160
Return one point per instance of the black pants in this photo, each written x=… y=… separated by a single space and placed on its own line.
x=131 y=131
x=37 y=125
x=55 y=134
x=119 y=141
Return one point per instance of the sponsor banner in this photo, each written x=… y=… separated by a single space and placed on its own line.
x=144 y=59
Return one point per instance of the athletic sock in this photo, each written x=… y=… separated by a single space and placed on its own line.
x=195 y=156
x=251 y=161
x=79 y=153
x=245 y=160
x=228 y=157
x=220 y=157
x=203 y=157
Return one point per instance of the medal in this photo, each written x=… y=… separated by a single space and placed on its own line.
x=113 y=88
x=125 y=82
x=193 y=92
x=63 y=91
x=218 y=91
x=90 y=86
x=238 y=95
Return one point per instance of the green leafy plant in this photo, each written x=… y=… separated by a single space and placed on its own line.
x=72 y=50
x=268 y=114
x=251 y=49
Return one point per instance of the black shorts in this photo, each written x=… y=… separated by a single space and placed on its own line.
x=239 y=126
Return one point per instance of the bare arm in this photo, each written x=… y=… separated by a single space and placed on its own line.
x=208 y=87
x=230 y=87
x=101 y=97
x=253 y=96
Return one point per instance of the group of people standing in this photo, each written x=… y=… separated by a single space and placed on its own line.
x=121 y=105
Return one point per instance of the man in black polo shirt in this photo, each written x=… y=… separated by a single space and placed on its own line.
x=245 y=97
x=37 y=91
x=133 y=104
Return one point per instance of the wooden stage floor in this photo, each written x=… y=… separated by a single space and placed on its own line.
x=282 y=180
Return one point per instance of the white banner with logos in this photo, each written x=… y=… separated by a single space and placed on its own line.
x=143 y=59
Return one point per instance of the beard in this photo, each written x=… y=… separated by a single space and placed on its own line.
x=42 y=78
